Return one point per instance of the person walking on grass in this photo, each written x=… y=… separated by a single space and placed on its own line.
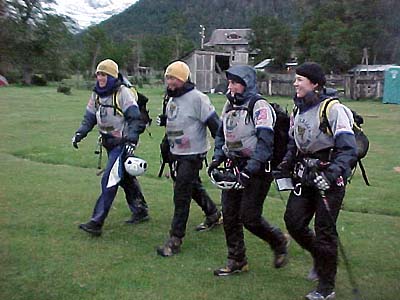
x=244 y=142
x=320 y=161
x=120 y=129
x=188 y=114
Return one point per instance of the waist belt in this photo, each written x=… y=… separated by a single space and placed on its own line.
x=323 y=155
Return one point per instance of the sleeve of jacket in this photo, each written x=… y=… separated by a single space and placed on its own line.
x=291 y=151
x=345 y=154
x=87 y=124
x=213 y=123
x=263 y=151
x=218 y=143
x=345 y=157
x=134 y=123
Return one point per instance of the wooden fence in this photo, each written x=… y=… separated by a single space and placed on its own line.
x=349 y=86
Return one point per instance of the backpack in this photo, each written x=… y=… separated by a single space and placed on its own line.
x=281 y=129
x=361 y=139
x=141 y=102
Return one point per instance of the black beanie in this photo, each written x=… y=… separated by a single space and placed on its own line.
x=313 y=72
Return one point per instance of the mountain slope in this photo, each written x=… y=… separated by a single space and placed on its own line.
x=185 y=16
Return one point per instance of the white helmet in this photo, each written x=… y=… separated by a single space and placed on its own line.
x=135 y=166
x=226 y=178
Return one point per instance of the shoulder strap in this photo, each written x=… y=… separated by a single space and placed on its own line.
x=97 y=102
x=295 y=110
x=116 y=105
x=252 y=103
x=323 y=114
x=249 y=108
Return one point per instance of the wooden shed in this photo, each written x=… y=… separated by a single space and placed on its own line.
x=365 y=81
x=207 y=68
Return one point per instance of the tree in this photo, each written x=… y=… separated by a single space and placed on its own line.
x=95 y=41
x=158 y=51
x=176 y=24
x=336 y=32
x=272 y=38
x=33 y=37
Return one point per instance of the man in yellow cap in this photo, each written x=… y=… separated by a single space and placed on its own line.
x=120 y=129
x=188 y=114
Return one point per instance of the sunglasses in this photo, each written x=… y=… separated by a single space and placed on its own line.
x=101 y=74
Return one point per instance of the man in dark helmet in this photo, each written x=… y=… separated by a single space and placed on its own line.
x=320 y=163
x=244 y=142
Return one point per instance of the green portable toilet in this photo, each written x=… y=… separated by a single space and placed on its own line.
x=391 y=90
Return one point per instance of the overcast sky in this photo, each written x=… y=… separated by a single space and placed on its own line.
x=88 y=12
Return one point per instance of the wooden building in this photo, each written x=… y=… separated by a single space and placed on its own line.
x=225 y=48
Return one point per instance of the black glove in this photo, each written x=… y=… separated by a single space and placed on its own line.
x=161 y=120
x=76 y=139
x=244 y=178
x=284 y=168
x=129 y=149
x=321 y=181
x=213 y=165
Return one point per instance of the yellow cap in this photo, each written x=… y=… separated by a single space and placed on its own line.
x=179 y=70
x=109 y=67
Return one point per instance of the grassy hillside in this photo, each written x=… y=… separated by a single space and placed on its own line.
x=47 y=188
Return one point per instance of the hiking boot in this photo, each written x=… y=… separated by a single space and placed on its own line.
x=281 y=252
x=210 y=222
x=91 y=227
x=138 y=218
x=172 y=246
x=312 y=275
x=232 y=267
x=314 y=295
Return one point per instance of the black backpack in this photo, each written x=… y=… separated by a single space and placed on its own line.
x=361 y=139
x=281 y=129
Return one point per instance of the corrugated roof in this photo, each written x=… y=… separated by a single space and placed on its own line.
x=370 y=68
x=229 y=37
x=263 y=64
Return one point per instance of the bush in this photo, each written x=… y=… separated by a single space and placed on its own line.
x=39 y=79
x=137 y=81
x=13 y=76
x=55 y=75
x=64 y=88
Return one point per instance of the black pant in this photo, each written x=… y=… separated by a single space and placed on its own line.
x=188 y=186
x=244 y=208
x=321 y=243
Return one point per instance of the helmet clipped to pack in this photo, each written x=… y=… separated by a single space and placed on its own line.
x=226 y=178
x=135 y=166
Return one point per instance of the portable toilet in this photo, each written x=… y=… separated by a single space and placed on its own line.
x=391 y=90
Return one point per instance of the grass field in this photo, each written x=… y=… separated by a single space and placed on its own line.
x=47 y=188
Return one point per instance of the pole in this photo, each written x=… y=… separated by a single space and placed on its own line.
x=202 y=36
x=352 y=281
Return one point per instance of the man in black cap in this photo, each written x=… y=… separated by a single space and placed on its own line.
x=320 y=157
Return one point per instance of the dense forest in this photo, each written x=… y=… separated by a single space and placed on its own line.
x=152 y=33
x=164 y=17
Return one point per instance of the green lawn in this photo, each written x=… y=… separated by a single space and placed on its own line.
x=47 y=188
